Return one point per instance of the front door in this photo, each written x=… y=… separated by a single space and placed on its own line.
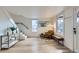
x=76 y=30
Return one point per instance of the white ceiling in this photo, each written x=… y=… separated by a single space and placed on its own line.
x=35 y=11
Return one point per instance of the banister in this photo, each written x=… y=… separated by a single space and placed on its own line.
x=22 y=24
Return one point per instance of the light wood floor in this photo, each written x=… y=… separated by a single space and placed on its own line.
x=36 y=45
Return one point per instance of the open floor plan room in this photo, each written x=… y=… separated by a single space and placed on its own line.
x=39 y=29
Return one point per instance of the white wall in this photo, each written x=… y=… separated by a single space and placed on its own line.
x=5 y=22
x=53 y=21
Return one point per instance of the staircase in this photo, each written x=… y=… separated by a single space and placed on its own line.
x=22 y=27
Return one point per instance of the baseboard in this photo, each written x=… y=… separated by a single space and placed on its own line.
x=70 y=49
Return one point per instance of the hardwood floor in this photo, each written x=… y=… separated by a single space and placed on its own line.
x=36 y=45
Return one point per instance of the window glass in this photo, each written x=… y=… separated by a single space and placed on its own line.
x=60 y=26
x=34 y=25
x=77 y=19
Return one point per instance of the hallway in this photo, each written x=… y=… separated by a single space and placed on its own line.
x=36 y=45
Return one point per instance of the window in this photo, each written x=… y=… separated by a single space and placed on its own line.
x=60 y=26
x=78 y=19
x=34 y=25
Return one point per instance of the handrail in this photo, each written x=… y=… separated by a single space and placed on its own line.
x=22 y=24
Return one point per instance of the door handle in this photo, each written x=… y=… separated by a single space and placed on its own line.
x=74 y=30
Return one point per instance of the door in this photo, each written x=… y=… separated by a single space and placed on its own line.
x=76 y=30
x=76 y=37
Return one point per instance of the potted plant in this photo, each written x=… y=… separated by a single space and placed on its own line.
x=12 y=29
